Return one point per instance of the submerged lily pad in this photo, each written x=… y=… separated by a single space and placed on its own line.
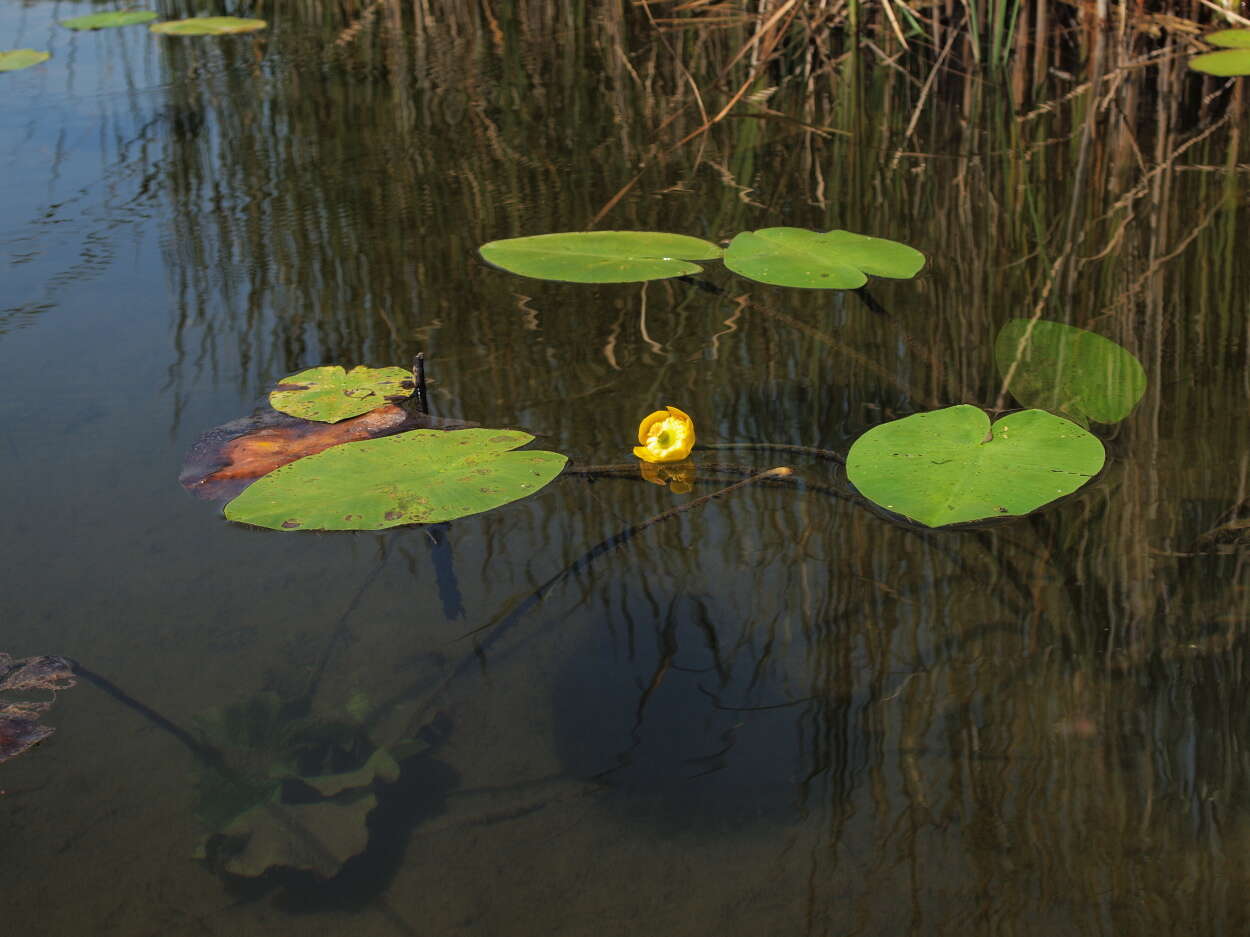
x=833 y=260
x=228 y=458
x=601 y=256
x=288 y=791
x=208 y=26
x=20 y=728
x=1067 y=370
x=110 y=20
x=420 y=477
x=317 y=837
x=330 y=393
x=1227 y=63
x=950 y=466
x=15 y=59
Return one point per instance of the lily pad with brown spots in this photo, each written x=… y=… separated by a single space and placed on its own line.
x=419 y=477
x=329 y=394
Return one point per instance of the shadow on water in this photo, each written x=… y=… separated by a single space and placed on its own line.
x=678 y=733
x=419 y=796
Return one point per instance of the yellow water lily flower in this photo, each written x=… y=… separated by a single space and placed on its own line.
x=665 y=436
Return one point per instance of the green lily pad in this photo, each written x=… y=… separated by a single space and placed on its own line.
x=601 y=256
x=15 y=59
x=330 y=393
x=420 y=477
x=950 y=466
x=208 y=26
x=110 y=20
x=1068 y=370
x=1229 y=38
x=833 y=260
x=1227 y=63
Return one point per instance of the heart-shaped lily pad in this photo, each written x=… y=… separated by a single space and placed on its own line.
x=208 y=26
x=1227 y=63
x=329 y=394
x=601 y=256
x=15 y=59
x=420 y=477
x=832 y=260
x=1067 y=370
x=950 y=466
x=110 y=20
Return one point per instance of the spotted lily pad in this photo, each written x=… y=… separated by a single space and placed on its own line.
x=208 y=26
x=110 y=20
x=1061 y=368
x=330 y=394
x=601 y=256
x=419 y=477
x=15 y=59
x=833 y=260
x=951 y=466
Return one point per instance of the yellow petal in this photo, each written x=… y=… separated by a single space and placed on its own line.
x=681 y=415
x=645 y=426
x=645 y=454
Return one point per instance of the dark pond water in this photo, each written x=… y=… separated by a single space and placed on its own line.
x=778 y=713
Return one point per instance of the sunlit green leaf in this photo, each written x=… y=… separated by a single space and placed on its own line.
x=601 y=256
x=419 y=477
x=208 y=26
x=329 y=394
x=110 y=20
x=1067 y=370
x=950 y=466
x=837 y=260
x=1227 y=63
x=15 y=59
x=1229 y=38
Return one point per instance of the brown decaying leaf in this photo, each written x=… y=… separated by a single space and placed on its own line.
x=227 y=459
x=20 y=728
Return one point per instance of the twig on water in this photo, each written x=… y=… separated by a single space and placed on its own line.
x=420 y=392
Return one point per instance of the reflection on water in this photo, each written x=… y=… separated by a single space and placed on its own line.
x=777 y=713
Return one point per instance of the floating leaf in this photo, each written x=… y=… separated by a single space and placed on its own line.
x=1228 y=63
x=20 y=728
x=950 y=466
x=833 y=260
x=228 y=458
x=330 y=394
x=1067 y=370
x=208 y=26
x=15 y=59
x=110 y=20
x=601 y=256
x=419 y=477
x=1229 y=38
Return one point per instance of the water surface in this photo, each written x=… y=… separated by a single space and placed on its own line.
x=778 y=713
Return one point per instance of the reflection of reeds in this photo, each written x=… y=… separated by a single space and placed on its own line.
x=331 y=207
